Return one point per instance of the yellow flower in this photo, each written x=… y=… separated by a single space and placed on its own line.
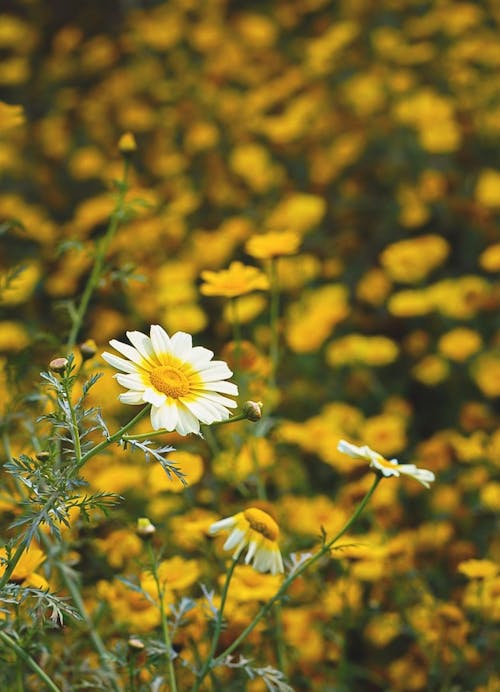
x=299 y=212
x=13 y=336
x=235 y=281
x=488 y=188
x=431 y=370
x=248 y=585
x=10 y=116
x=460 y=343
x=191 y=466
x=25 y=570
x=387 y=467
x=356 y=348
x=410 y=261
x=486 y=373
x=478 y=569
x=489 y=259
x=256 y=529
x=273 y=244
x=181 y=382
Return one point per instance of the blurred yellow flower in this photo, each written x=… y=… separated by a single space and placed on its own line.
x=25 y=571
x=489 y=259
x=13 y=336
x=410 y=261
x=485 y=371
x=10 y=116
x=488 y=188
x=20 y=288
x=478 y=569
x=191 y=466
x=235 y=281
x=431 y=370
x=273 y=244
x=299 y=212
x=357 y=348
x=460 y=343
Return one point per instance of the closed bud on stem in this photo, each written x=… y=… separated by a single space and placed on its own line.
x=58 y=365
x=145 y=529
x=42 y=456
x=135 y=644
x=126 y=144
x=252 y=410
x=88 y=349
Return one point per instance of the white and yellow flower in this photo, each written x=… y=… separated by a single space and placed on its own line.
x=256 y=529
x=387 y=467
x=184 y=386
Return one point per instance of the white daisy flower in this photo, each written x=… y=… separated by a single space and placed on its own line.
x=184 y=386
x=387 y=467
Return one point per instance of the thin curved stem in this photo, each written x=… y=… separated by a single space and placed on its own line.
x=286 y=583
x=26 y=658
x=217 y=629
x=100 y=257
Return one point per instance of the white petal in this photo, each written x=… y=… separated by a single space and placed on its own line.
x=160 y=340
x=235 y=537
x=215 y=398
x=252 y=547
x=131 y=397
x=200 y=357
x=221 y=525
x=142 y=343
x=225 y=387
x=352 y=450
x=154 y=397
x=206 y=412
x=169 y=415
x=156 y=421
x=133 y=381
x=187 y=423
x=182 y=344
x=216 y=370
x=119 y=363
x=128 y=351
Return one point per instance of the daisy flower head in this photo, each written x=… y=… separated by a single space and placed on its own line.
x=386 y=467
x=184 y=386
x=256 y=529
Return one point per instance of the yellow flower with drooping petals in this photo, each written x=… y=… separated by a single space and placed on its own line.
x=235 y=281
x=256 y=529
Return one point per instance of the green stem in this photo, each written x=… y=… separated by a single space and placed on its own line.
x=100 y=257
x=73 y=424
x=12 y=564
x=115 y=436
x=286 y=583
x=217 y=629
x=280 y=643
x=74 y=591
x=164 y=623
x=236 y=333
x=274 y=310
x=26 y=658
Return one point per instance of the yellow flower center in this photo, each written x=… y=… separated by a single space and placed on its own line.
x=262 y=523
x=170 y=380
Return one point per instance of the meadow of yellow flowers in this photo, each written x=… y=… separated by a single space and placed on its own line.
x=254 y=250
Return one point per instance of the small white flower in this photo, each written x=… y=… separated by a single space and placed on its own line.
x=181 y=382
x=387 y=467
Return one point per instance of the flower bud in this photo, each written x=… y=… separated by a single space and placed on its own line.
x=58 y=365
x=252 y=410
x=135 y=644
x=145 y=529
x=43 y=456
x=126 y=144
x=88 y=349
